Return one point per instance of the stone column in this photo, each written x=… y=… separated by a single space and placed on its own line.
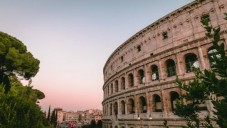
x=126 y=109
x=147 y=73
x=126 y=81
x=201 y=59
x=179 y=64
x=148 y=100
x=161 y=66
x=135 y=74
x=165 y=100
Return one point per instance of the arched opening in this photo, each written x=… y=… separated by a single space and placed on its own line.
x=143 y=105
x=108 y=90
x=191 y=62
x=110 y=109
x=171 y=68
x=115 y=108
x=131 y=106
x=122 y=107
x=212 y=55
x=116 y=86
x=174 y=97
x=141 y=76
x=111 y=88
x=157 y=103
x=130 y=80
x=155 y=74
x=122 y=83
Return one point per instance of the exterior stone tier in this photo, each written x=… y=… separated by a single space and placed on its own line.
x=140 y=75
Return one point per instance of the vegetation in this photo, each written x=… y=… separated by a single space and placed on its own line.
x=18 y=108
x=207 y=86
x=53 y=118
x=18 y=103
x=15 y=60
x=93 y=124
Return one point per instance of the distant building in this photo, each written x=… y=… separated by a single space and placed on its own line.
x=77 y=119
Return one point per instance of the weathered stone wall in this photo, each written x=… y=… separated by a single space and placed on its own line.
x=174 y=37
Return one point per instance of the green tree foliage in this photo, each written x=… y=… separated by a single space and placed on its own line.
x=99 y=124
x=18 y=103
x=48 y=116
x=18 y=109
x=208 y=85
x=53 y=118
x=15 y=60
x=92 y=124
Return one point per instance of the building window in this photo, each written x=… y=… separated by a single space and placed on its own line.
x=122 y=83
x=122 y=107
x=157 y=103
x=122 y=58
x=155 y=74
x=174 y=97
x=165 y=35
x=131 y=80
x=143 y=104
x=138 y=48
x=131 y=106
x=171 y=68
x=206 y=17
x=141 y=76
x=191 y=62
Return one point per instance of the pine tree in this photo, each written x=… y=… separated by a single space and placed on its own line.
x=48 y=116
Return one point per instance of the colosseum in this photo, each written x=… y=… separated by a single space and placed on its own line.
x=140 y=75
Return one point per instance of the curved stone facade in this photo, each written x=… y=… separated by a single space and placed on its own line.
x=139 y=76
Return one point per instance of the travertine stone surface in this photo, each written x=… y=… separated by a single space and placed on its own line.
x=173 y=37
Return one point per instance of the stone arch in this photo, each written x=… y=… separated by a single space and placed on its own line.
x=174 y=96
x=170 y=68
x=131 y=80
x=142 y=104
x=111 y=88
x=131 y=106
x=116 y=86
x=141 y=76
x=115 y=108
x=122 y=107
x=191 y=62
x=122 y=83
x=155 y=72
x=157 y=103
x=111 y=109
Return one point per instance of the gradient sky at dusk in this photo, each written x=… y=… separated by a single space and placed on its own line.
x=74 y=38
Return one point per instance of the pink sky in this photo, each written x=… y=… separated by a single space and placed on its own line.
x=74 y=38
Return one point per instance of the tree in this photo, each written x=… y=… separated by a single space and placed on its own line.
x=17 y=110
x=208 y=85
x=92 y=124
x=99 y=124
x=48 y=116
x=18 y=103
x=53 y=118
x=15 y=60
